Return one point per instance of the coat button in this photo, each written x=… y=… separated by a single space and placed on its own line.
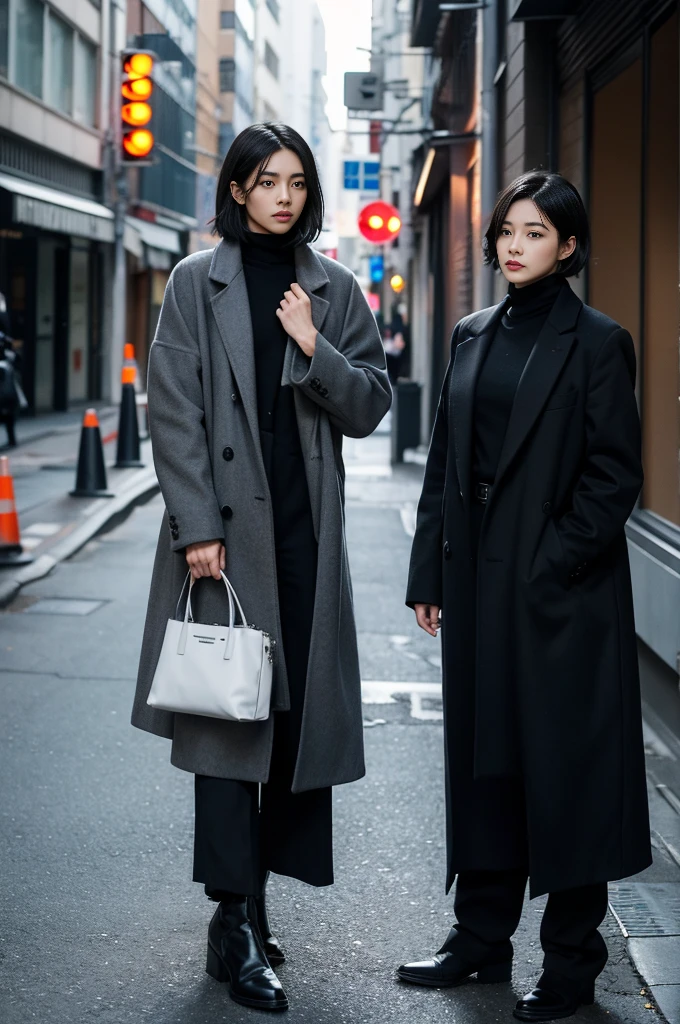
x=447 y=550
x=226 y=511
x=547 y=507
x=227 y=454
x=234 y=397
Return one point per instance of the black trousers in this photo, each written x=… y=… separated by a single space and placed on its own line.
x=244 y=830
x=488 y=906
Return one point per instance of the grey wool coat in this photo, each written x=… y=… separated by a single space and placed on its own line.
x=204 y=429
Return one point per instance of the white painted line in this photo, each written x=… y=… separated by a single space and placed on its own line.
x=375 y=691
x=408 y=518
x=29 y=542
x=372 y=689
x=367 y=470
x=43 y=529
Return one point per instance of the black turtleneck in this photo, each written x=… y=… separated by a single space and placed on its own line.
x=269 y=268
x=504 y=364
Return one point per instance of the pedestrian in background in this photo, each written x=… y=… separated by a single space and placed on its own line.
x=12 y=397
x=533 y=470
x=265 y=355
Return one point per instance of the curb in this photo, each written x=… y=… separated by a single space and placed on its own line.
x=144 y=486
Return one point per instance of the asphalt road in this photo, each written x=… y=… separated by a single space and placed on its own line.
x=99 y=918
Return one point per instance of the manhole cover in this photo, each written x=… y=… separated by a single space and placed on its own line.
x=63 y=606
x=646 y=908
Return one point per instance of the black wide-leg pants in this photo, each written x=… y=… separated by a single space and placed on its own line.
x=244 y=830
x=488 y=906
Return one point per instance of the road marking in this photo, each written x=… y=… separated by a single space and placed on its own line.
x=43 y=529
x=408 y=518
x=374 y=691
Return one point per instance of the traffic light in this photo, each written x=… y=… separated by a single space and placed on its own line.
x=379 y=222
x=136 y=89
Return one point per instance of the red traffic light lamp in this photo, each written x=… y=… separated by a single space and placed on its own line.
x=379 y=221
x=136 y=88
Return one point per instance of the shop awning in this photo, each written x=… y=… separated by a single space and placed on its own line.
x=155 y=235
x=51 y=210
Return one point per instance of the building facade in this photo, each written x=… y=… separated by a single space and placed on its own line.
x=56 y=233
x=589 y=89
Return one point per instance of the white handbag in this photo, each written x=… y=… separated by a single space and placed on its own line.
x=213 y=670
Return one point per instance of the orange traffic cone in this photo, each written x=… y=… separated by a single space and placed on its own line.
x=128 y=451
x=91 y=472
x=11 y=552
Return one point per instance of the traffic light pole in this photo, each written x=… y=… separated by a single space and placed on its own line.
x=118 y=313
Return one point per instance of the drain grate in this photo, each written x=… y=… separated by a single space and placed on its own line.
x=646 y=908
x=63 y=606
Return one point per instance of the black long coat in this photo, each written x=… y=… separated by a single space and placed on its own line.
x=541 y=632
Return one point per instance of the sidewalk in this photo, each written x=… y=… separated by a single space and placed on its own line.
x=54 y=525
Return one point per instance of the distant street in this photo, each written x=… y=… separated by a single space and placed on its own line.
x=99 y=917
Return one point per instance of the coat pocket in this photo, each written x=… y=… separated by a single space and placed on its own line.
x=562 y=400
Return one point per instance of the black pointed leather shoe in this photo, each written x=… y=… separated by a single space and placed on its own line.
x=259 y=915
x=236 y=955
x=453 y=965
x=546 y=1003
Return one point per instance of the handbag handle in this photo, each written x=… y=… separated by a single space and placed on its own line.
x=188 y=615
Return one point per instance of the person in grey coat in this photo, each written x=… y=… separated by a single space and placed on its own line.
x=265 y=355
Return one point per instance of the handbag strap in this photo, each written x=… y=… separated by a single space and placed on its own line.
x=188 y=615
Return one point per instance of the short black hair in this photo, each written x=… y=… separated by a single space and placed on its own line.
x=250 y=151
x=559 y=201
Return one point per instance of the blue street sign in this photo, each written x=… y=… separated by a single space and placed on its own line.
x=362 y=174
x=351 y=173
x=371 y=176
x=376 y=268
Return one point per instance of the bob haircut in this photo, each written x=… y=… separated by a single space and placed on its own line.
x=559 y=202
x=250 y=152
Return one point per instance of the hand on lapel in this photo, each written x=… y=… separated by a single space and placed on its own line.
x=295 y=313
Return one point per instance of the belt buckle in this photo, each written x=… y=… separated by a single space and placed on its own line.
x=482 y=492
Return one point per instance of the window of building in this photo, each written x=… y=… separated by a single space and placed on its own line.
x=227 y=74
x=271 y=60
x=4 y=37
x=61 y=65
x=274 y=7
x=227 y=19
x=28 y=46
x=85 y=72
x=635 y=153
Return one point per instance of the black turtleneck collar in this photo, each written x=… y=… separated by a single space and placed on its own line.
x=263 y=247
x=535 y=299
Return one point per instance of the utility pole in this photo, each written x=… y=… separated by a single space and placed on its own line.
x=118 y=312
x=489 y=113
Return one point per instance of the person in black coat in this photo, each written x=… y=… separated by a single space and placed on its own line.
x=533 y=470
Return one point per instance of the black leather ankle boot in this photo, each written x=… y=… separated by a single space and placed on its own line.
x=259 y=915
x=236 y=955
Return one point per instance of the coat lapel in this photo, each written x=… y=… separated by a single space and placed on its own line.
x=232 y=314
x=545 y=363
x=468 y=360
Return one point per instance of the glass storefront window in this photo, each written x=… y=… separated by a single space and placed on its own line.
x=61 y=65
x=28 y=46
x=85 y=82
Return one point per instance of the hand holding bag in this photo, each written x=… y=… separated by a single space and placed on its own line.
x=212 y=670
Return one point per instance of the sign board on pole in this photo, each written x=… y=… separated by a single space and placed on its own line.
x=363 y=175
x=363 y=90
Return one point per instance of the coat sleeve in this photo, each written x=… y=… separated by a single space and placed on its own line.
x=177 y=422
x=350 y=382
x=425 y=569
x=610 y=482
